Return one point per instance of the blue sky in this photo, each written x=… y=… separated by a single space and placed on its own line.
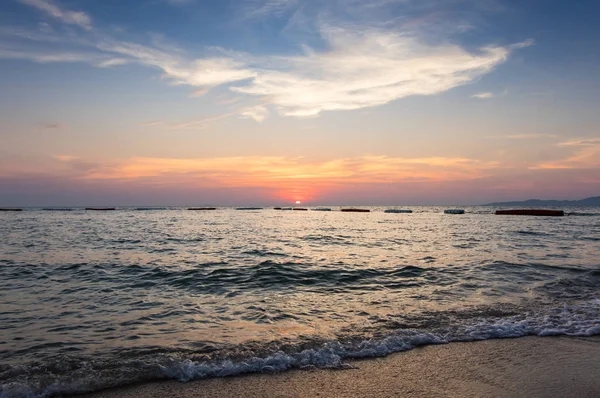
x=270 y=101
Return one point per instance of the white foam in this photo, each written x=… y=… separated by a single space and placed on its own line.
x=580 y=320
x=577 y=320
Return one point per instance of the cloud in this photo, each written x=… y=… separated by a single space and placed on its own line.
x=257 y=113
x=484 y=95
x=199 y=92
x=152 y=123
x=225 y=100
x=95 y=59
x=273 y=171
x=255 y=9
x=204 y=73
x=583 y=154
x=365 y=69
x=523 y=136
x=112 y=62
x=45 y=27
x=355 y=66
x=580 y=142
x=69 y=17
x=266 y=171
x=198 y=124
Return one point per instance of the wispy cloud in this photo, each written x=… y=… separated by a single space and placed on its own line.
x=486 y=95
x=204 y=72
x=226 y=100
x=198 y=124
x=199 y=93
x=527 y=136
x=580 y=142
x=264 y=8
x=96 y=59
x=258 y=113
x=112 y=62
x=582 y=154
x=152 y=123
x=357 y=66
x=365 y=69
x=281 y=171
x=67 y=16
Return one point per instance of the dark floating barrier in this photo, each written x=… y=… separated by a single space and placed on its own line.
x=276 y=208
x=202 y=208
x=57 y=209
x=397 y=211
x=321 y=209
x=356 y=210
x=101 y=208
x=11 y=209
x=454 y=211
x=249 y=208
x=286 y=208
x=531 y=212
x=299 y=209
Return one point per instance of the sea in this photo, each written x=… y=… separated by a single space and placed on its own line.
x=91 y=300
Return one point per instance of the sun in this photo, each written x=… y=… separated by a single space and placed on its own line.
x=298 y=202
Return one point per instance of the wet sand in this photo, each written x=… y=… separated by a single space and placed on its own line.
x=524 y=367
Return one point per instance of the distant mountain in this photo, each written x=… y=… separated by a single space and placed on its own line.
x=594 y=201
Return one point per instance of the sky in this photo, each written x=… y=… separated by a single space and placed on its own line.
x=260 y=102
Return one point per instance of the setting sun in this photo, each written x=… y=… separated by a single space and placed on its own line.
x=298 y=202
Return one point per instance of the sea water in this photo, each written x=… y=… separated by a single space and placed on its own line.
x=90 y=300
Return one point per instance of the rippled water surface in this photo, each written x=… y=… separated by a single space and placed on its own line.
x=95 y=299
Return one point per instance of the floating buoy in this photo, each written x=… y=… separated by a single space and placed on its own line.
x=397 y=211
x=249 y=208
x=11 y=209
x=276 y=208
x=101 y=208
x=299 y=209
x=321 y=209
x=531 y=212
x=356 y=210
x=202 y=208
x=454 y=211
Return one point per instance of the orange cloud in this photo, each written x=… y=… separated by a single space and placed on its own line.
x=585 y=155
x=299 y=172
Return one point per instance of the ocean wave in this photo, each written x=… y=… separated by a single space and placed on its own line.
x=219 y=277
x=70 y=375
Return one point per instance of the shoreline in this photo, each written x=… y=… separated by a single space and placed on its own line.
x=527 y=366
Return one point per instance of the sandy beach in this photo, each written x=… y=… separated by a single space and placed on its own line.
x=524 y=367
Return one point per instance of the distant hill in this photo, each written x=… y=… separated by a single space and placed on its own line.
x=594 y=201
